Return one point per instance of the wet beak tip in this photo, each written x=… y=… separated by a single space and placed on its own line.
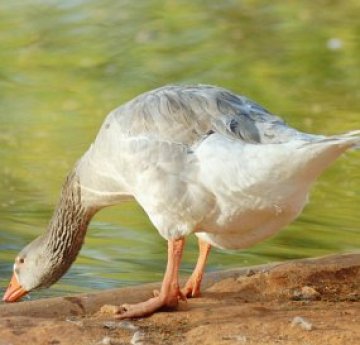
x=14 y=291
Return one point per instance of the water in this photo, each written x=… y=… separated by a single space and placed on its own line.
x=65 y=64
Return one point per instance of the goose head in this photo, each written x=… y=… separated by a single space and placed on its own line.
x=35 y=267
x=46 y=259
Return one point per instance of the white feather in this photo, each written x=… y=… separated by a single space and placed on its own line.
x=203 y=160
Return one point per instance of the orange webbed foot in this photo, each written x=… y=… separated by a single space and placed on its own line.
x=192 y=288
x=169 y=295
x=142 y=309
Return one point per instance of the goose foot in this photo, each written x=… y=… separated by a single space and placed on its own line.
x=169 y=295
x=192 y=286
x=161 y=301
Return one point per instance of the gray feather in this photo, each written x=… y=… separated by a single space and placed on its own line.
x=185 y=114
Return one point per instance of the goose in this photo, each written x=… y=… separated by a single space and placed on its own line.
x=199 y=160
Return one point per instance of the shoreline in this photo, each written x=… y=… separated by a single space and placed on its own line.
x=313 y=301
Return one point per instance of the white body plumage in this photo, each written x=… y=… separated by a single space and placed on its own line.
x=202 y=160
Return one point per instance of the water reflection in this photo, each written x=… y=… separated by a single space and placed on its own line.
x=65 y=64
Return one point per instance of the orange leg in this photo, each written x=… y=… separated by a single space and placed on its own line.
x=192 y=287
x=169 y=294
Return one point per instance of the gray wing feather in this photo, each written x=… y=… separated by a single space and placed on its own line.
x=186 y=114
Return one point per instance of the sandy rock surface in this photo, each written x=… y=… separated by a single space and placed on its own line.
x=300 y=302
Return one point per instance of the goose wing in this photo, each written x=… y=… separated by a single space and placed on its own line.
x=186 y=114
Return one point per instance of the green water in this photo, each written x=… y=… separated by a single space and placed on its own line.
x=65 y=64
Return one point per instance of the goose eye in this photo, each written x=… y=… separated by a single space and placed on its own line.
x=20 y=260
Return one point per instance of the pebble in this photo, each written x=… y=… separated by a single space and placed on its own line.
x=105 y=341
x=108 y=309
x=250 y=272
x=302 y=323
x=75 y=321
x=120 y=324
x=241 y=339
x=307 y=293
x=137 y=338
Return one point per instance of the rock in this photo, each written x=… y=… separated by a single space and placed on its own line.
x=239 y=339
x=250 y=272
x=105 y=341
x=302 y=323
x=75 y=321
x=108 y=309
x=137 y=338
x=122 y=324
x=307 y=293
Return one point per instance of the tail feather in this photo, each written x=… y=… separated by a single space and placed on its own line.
x=350 y=139
x=321 y=152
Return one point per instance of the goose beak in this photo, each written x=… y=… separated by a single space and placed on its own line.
x=14 y=291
